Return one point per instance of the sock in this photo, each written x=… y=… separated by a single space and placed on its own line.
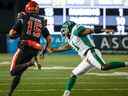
x=117 y=64
x=113 y=65
x=14 y=84
x=71 y=83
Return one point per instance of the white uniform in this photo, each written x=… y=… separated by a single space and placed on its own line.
x=85 y=44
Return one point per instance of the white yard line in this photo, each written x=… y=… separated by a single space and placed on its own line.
x=53 y=68
x=63 y=83
x=53 y=90
x=66 y=68
x=5 y=63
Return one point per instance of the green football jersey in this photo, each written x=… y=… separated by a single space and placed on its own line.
x=80 y=43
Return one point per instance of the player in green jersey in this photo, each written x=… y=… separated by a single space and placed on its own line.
x=78 y=37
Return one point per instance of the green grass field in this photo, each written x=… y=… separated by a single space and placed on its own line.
x=51 y=80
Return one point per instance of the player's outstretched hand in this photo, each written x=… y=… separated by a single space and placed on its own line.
x=50 y=50
x=108 y=30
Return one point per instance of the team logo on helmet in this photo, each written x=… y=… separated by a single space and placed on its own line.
x=32 y=7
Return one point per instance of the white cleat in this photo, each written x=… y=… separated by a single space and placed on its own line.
x=67 y=93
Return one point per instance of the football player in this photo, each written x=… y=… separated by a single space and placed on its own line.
x=45 y=30
x=78 y=38
x=29 y=28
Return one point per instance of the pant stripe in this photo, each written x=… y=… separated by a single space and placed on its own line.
x=97 y=57
x=13 y=65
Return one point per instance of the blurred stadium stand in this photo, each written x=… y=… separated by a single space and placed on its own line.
x=8 y=12
x=7 y=16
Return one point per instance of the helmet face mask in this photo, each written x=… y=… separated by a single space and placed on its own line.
x=64 y=30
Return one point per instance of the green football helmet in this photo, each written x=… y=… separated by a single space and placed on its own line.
x=67 y=27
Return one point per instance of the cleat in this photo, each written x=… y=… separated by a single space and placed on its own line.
x=67 y=93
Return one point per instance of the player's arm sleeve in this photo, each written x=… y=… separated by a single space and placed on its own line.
x=62 y=48
x=82 y=31
x=79 y=30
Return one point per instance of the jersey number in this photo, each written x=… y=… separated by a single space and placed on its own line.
x=34 y=28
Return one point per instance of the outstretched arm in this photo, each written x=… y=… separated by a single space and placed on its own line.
x=87 y=31
x=90 y=31
x=62 y=48
x=81 y=31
